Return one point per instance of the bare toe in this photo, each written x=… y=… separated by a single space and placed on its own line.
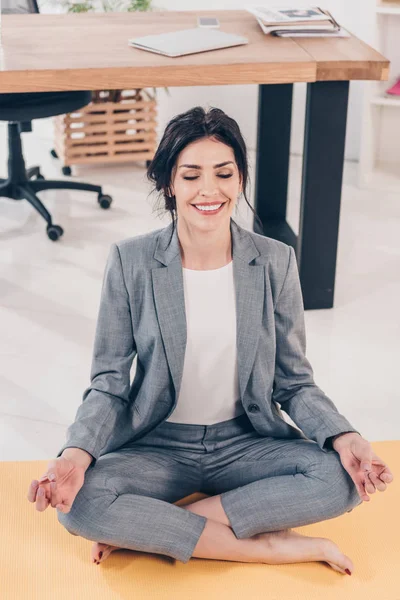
x=335 y=558
x=339 y=569
x=101 y=551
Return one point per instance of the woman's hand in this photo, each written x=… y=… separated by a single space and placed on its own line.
x=59 y=486
x=366 y=469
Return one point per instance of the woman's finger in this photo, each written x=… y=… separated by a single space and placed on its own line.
x=363 y=495
x=41 y=499
x=32 y=491
x=63 y=508
x=47 y=477
x=54 y=494
x=352 y=465
x=359 y=483
x=379 y=485
x=386 y=474
x=368 y=484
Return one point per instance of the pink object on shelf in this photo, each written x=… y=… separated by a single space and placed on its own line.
x=395 y=89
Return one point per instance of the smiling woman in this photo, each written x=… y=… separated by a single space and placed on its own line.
x=201 y=168
x=220 y=343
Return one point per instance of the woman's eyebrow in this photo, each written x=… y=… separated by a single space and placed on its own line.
x=215 y=166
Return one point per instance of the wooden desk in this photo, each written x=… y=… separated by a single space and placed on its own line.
x=90 y=51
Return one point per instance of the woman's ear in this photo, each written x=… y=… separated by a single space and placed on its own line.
x=169 y=191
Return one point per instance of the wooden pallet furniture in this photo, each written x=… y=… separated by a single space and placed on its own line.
x=107 y=131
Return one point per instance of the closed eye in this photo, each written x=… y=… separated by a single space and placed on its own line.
x=222 y=176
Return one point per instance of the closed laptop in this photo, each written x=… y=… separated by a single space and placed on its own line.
x=187 y=41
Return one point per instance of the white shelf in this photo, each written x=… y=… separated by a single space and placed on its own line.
x=379 y=164
x=386 y=101
x=387 y=9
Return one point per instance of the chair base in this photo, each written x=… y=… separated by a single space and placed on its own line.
x=19 y=186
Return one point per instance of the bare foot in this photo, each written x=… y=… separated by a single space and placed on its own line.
x=287 y=546
x=105 y=549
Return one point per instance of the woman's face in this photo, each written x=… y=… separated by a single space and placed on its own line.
x=205 y=173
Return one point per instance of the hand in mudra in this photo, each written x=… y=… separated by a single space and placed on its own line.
x=58 y=487
x=367 y=470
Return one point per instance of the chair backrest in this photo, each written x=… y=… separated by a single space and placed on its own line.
x=9 y=7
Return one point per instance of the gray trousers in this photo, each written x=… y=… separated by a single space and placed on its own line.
x=266 y=484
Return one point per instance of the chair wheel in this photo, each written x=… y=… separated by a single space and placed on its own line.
x=66 y=170
x=104 y=200
x=54 y=153
x=54 y=232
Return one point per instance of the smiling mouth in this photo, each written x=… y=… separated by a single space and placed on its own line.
x=207 y=211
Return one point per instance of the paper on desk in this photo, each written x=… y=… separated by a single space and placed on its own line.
x=341 y=33
x=281 y=15
x=293 y=33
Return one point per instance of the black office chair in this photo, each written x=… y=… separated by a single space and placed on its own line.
x=20 y=109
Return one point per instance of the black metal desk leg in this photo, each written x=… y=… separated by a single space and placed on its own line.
x=323 y=159
x=272 y=160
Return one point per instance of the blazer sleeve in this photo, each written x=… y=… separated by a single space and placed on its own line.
x=294 y=387
x=114 y=351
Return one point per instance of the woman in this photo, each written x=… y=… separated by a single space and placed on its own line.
x=214 y=314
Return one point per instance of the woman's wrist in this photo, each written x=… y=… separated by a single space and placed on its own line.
x=339 y=435
x=78 y=456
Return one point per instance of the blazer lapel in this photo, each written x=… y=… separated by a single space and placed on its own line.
x=170 y=301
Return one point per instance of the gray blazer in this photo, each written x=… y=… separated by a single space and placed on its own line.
x=142 y=313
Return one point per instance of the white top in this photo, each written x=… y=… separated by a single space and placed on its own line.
x=210 y=387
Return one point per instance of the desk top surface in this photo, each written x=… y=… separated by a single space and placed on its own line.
x=43 y=52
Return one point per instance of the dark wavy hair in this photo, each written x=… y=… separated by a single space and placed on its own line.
x=184 y=129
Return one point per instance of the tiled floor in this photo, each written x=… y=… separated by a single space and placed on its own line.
x=50 y=292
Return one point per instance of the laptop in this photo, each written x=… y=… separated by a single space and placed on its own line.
x=187 y=41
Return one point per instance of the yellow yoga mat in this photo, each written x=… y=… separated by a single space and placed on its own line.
x=40 y=560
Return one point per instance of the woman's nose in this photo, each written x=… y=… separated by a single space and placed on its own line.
x=208 y=186
x=208 y=194
x=208 y=189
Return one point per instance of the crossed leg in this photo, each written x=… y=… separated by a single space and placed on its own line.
x=218 y=540
x=285 y=546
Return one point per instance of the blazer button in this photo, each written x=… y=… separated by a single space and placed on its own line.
x=253 y=408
